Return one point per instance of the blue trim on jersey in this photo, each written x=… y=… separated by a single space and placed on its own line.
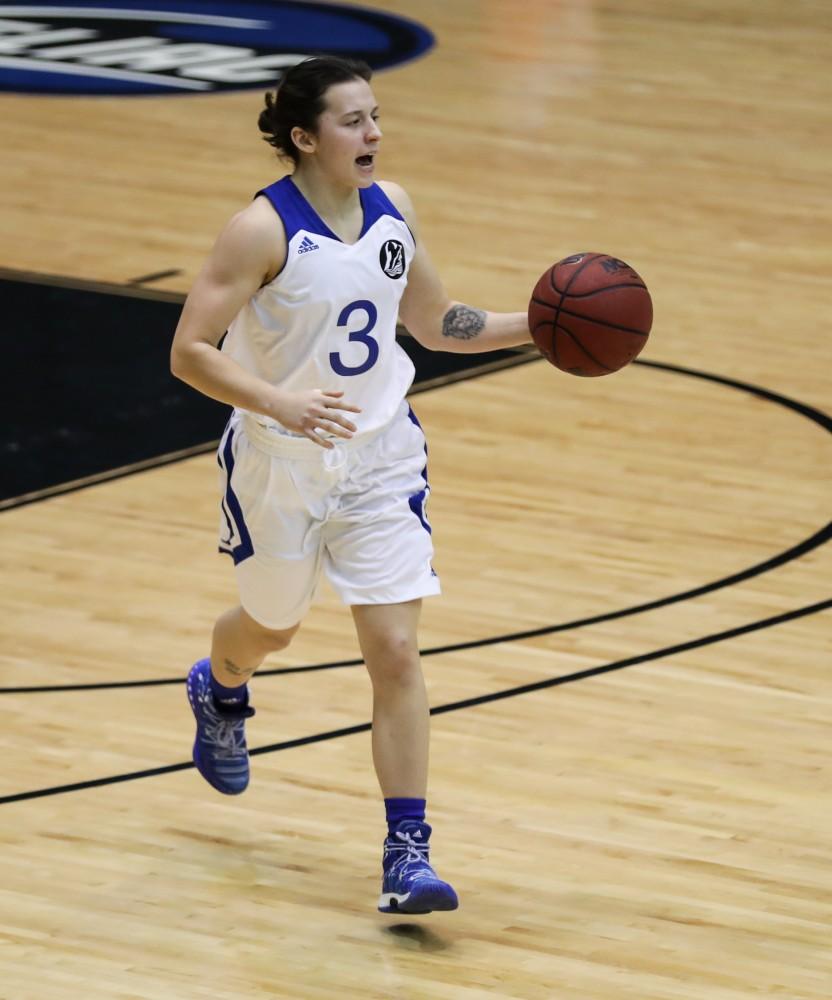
x=231 y=509
x=297 y=214
x=376 y=205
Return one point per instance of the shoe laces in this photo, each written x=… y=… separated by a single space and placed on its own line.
x=412 y=857
x=226 y=733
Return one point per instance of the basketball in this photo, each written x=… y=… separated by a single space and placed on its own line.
x=590 y=314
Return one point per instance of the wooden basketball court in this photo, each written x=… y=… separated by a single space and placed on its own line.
x=629 y=663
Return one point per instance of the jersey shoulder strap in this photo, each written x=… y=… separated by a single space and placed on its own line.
x=294 y=210
x=297 y=214
x=376 y=205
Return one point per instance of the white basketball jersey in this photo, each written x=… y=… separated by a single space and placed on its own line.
x=328 y=319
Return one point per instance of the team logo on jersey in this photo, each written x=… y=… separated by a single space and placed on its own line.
x=187 y=46
x=391 y=258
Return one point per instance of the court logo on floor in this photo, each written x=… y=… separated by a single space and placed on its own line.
x=183 y=47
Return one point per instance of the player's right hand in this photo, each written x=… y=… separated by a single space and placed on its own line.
x=314 y=412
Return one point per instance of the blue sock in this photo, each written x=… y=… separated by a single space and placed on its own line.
x=399 y=809
x=228 y=696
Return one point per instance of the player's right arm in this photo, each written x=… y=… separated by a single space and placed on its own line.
x=249 y=252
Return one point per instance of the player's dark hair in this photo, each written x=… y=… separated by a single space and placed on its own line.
x=299 y=99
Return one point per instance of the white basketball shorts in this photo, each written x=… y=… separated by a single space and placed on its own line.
x=290 y=507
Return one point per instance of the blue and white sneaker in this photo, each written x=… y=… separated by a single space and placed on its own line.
x=410 y=885
x=220 y=751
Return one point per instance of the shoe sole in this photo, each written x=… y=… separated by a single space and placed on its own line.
x=417 y=902
x=224 y=791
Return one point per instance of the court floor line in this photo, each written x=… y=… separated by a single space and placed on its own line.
x=802 y=548
x=455 y=706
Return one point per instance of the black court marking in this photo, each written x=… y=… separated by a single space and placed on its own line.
x=814 y=541
x=89 y=393
x=454 y=706
x=505 y=359
x=145 y=279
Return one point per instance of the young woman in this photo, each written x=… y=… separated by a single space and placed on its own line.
x=323 y=462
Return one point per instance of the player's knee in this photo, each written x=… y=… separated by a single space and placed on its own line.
x=395 y=661
x=273 y=640
x=261 y=638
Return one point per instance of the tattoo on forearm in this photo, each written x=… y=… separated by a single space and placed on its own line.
x=236 y=671
x=463 y=322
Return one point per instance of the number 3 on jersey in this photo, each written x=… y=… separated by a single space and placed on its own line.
x=362 y=336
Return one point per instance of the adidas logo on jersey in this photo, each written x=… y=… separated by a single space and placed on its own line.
x=306 y=245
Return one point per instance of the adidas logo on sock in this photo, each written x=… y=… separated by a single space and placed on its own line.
x=306 y=245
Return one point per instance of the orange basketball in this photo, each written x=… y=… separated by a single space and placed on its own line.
x=590 y=314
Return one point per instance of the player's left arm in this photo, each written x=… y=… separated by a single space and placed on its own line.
x=434 y=318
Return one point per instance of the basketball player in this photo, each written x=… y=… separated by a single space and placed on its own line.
x=323 y=463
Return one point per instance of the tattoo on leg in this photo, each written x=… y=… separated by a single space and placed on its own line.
x=236 y=671
x=462 y=322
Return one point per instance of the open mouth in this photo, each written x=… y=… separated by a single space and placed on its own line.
x=365 y=161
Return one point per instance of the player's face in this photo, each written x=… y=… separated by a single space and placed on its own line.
x=348 y=135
